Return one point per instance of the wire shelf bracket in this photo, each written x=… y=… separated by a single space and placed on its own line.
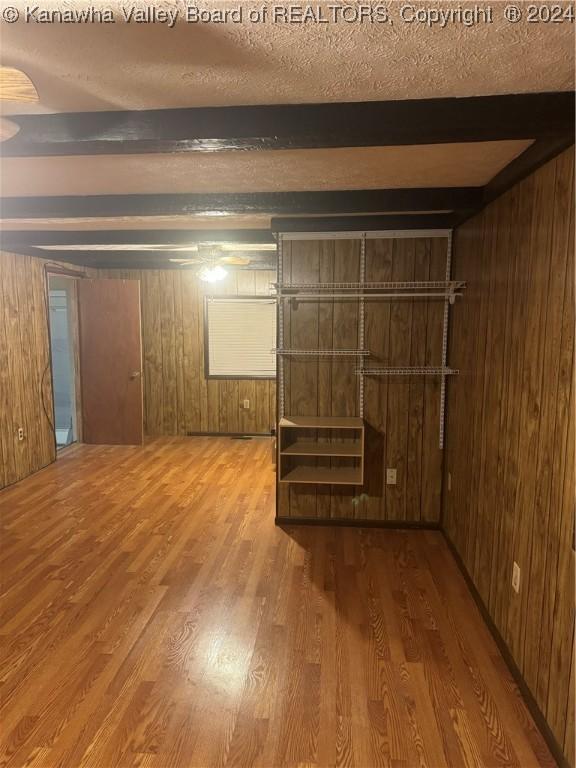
x=280 y=331
x=361 y=322
x=446 y=290
x=446 y=320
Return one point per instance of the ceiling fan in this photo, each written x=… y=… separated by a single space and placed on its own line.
x=15 y=88
x=15 y=85
x=213 y=257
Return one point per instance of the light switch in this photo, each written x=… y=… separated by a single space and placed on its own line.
x=390 y=477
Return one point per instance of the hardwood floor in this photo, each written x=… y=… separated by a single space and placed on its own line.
x=154 y=616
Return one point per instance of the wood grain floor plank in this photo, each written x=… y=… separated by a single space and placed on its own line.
x=155 y=617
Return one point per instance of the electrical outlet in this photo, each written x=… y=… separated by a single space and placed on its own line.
x=449 y=479
x=516 y=577
x=246 y=404
x=390 y=477
x=20 y=433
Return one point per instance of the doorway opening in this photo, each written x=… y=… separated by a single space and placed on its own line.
x=63 y=346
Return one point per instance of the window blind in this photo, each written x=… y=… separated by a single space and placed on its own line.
x=240 y=337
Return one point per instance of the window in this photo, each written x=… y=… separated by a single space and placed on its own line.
x=239 y=337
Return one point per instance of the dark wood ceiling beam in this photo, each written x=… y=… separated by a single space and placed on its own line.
x=361 y=223
x=134 y=259
x=9 y=238
x=273 y=203
x=140 y=261
x=528 y=162
x=93 y=258
x=295 y=126
x=522 y=166
x=25 y=250
x=255 y=267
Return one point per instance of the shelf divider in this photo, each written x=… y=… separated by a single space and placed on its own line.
x=322 y=422
x=294 y=450
x=324 y=475
x=304 y=448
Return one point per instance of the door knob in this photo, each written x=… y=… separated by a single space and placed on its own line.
x=135 y=374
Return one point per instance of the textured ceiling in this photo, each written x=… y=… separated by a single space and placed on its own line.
x=128 y=66
x=439 y=165
x=84 y=67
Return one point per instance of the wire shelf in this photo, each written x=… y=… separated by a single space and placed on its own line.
x=408 y=371
x=450 y=296
x=446 y=285
x=324 y=352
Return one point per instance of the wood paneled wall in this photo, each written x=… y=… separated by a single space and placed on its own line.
x=178 y=399
x=402 y=413
x=510 y=431
x=25 y=380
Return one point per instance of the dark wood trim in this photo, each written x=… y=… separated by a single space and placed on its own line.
x=537 y=715
x=229 y=434
x=528 y=162
x=94 y=257
x=537 y=154
x=138 y=259
x=144 y=265
x=289 y=203
x=89 y=237
x=48 y=368
x=56 y=269
x=362 y=223
x=295 y=126
x=24 y=250
x=359 y=523
x=124 y=259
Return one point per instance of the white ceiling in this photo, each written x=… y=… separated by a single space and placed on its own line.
x=260 y=221
x=438 y=165
x=126 y=66
x=86 y=67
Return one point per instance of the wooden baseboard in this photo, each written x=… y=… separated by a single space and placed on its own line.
x=228 y=434
x=359 y=523
x=32 y=472
x=537 y=714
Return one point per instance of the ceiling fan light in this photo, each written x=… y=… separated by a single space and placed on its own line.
x=212 y=273
x=8 y=129
x=15 y=85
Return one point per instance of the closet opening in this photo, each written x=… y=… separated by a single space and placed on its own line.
x=63 y=325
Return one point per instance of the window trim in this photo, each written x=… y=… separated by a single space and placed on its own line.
x=217 y=377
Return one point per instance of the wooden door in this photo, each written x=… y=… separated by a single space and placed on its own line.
x=110 y=361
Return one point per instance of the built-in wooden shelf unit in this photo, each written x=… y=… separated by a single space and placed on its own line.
x=326 y=450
